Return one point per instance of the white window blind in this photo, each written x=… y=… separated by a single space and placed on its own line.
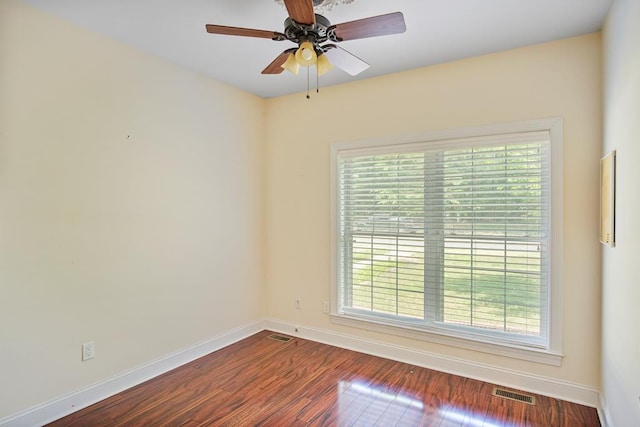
x=448 y=236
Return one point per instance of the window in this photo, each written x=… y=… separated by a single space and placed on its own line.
x=451 y=235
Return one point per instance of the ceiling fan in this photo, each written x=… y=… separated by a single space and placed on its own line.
x=311 y=32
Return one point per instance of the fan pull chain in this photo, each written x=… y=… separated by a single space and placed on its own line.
x=308 y=78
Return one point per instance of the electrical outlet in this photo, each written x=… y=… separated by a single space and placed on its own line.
x=298 y=304
x=88 y=351
x=325 y=307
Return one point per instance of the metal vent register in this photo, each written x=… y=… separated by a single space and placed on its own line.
x=281 y=338
x=513 y=395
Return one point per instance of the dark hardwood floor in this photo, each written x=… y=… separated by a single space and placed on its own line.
x=261 y=381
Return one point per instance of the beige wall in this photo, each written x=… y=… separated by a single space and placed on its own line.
x=130 y=207
x=561 y=78
x=621 y=276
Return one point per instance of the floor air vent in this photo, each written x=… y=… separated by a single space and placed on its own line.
x=513 y=395
x=280 y=338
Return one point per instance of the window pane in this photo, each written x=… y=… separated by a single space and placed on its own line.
x=388 y=274
x=494 y=225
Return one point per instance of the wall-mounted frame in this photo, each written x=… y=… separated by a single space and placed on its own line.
x=608 y=199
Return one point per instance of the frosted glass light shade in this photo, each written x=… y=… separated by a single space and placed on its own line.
x=323 y=65
x=291 y=65
x=306 y=54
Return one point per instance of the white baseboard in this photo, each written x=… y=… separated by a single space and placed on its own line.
x=87 y=396
x=603 y=413
x=546 y=386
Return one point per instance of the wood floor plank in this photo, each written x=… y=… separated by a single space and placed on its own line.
x=259 y=381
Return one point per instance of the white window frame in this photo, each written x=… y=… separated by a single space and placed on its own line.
x=552 y=353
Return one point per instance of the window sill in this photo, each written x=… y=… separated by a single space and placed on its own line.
x=486 y=346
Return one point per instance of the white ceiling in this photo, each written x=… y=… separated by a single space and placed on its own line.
x=437 y=31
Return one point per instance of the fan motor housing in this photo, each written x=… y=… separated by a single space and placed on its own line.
x=317 y=33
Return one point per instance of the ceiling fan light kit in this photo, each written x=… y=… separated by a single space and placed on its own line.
x=309 y=31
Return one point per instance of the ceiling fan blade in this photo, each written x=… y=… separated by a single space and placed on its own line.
x=276 y=66
x=301 y=11
x=247 y=32
x=382 y=25
x=344 y=60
